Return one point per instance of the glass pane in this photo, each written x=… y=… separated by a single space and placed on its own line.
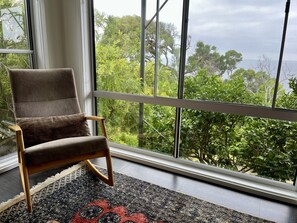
x=118 y=47
x=13 y=30
x=234 y=49
x=261 y=147
x=7 y=144
x=117 y=31
x=287 y=91
x=168 y=41
x=144 y=126
x=150 y=47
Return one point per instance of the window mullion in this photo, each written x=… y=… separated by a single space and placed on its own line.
x=142 y=71
x=157 y=50
x=29 y=31
x=281 y=53
x=182 y=64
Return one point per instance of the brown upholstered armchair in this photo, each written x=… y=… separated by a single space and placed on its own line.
x=50 y=129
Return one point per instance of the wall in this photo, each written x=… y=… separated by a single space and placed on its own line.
x=62 y=41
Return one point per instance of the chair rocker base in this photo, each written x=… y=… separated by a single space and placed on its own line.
x=26 y=185
x=106 y=179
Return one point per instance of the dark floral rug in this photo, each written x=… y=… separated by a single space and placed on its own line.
x=75 y=195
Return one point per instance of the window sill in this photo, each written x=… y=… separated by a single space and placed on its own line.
x=8 y=162
x=239 y=181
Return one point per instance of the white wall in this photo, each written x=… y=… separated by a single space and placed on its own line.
x=61 y=38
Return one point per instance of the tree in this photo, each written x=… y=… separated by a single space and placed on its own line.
x=109 y=27
x=207 y=57
x=293 y=85
x=117 y=62
x=11 y=13
x=253 y=145
x=208 y=136
x=261 y=146
x=229 y=61
x=260 y=84
x=288 y=100
x=269 y=148
x=167 y=44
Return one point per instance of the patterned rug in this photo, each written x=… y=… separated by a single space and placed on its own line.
x=76 y=196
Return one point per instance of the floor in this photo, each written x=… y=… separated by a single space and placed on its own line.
x=10 y=186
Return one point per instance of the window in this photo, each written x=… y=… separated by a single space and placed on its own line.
x=213 y=82
x=234 y=50
x=287 y=97
x=15 y=52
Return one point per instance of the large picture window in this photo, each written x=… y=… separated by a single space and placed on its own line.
x=213 y=82
x=15 y=52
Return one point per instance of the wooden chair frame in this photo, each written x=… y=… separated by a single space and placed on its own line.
x=25 y=170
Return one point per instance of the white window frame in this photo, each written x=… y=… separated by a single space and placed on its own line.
x=9 y=161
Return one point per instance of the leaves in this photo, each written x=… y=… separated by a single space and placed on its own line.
x=257 y=146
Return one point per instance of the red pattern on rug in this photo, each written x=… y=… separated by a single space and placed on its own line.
x=100 y=211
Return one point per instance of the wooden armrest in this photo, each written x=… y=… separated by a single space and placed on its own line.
x=12 y=126
x=19 y=138
x=101 y=121
x=94 y=118
x=15 y=128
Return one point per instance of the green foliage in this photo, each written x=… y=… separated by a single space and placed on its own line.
x=159 y=128
x=293 y=85
x=270 y=148
x=207 y=137
x=7 y=145
x=115 y=72
x=10 y=60
x=204 y=86
x=260 y=84
x=118 y=62
x=257 y=146
x=288 y=100
x=207 y=57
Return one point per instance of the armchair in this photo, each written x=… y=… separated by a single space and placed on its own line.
x=50 y=129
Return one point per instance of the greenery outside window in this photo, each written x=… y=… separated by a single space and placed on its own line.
x=15 y=52
x=201 y=77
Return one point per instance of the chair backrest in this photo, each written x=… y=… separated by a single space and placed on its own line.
x=43 y=92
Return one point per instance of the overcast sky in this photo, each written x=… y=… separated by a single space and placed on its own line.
x=251 y=27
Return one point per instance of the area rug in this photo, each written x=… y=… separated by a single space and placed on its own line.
x=76 y=195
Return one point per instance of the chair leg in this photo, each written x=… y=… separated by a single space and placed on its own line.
x=109 y=168
x=106 y=179
x=26 y=186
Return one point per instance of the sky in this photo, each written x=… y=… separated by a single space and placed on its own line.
x=251 y=27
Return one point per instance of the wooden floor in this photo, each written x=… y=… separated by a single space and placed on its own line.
x=10 y=186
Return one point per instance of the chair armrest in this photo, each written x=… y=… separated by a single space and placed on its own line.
x=19 y=138
x=12 y=126
x=101 y=121
x=94 y=118
x=16 y=128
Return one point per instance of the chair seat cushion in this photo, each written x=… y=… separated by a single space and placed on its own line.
x=64 y=149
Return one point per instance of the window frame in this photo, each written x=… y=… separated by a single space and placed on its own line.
x=180 y=103
x=28 y=23
x=9 y=161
